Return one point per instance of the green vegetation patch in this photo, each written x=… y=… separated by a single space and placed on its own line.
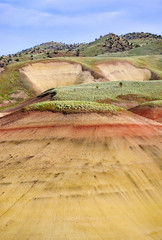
x=153 y=103
x=12 y=80
x=97 y=92
x=73 y=107
x=147 y=48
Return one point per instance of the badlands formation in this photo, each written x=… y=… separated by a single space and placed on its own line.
x=85 y=176
x=80 y=176
x=119 y=71
x=56 y=74
x=154 y=113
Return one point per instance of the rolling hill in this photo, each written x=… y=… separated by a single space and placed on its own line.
x=24 y=80
x=125 y=45
x=80 y=140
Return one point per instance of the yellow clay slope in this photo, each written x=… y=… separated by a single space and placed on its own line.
x=119 y=71
x=81 y=180
x=55 y=74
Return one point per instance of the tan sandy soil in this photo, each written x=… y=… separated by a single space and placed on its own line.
x=15 y=96
x=80 y=176
x=1 y=70
x=154 y=113
x=78 y=125
x=2 y=115
x=6 y=103
x=19 y=94
x=56 y=74
x=122 y=70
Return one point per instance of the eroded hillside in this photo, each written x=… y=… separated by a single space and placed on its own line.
x=83 y=176
x=22 y=81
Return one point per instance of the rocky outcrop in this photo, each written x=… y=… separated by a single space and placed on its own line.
x=113 y=43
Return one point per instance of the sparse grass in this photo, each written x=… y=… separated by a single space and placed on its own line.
x=11 y=80
x=73 y=107
x=153 y=103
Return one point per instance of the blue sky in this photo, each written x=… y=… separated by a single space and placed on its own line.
x=25 y=23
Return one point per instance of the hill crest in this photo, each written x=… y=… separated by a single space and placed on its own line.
x=107 y=44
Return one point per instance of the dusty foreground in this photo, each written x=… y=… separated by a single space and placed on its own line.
x=76 y=177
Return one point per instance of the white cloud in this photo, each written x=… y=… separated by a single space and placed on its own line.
x=13 y=16
x=19 y=17
x=25 y=23
x=74 y=5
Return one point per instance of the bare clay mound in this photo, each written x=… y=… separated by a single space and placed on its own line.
x=80 y=125
x=56 y=74
x=154 y=113
x=80 y=176
x=121 y=70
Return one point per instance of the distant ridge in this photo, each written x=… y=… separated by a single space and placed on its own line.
x=107 y=44
x=141 y=35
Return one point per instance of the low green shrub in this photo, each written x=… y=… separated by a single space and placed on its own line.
x=73 y=107
x=157 y=103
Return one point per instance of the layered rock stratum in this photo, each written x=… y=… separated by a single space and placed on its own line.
x=80 y=176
